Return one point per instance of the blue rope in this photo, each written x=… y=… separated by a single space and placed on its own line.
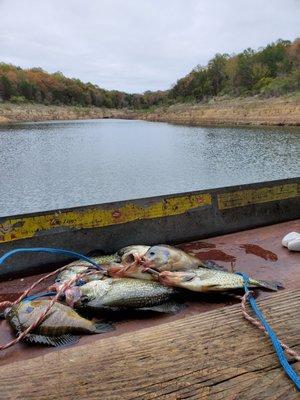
x=39 y=295
x=272 y=335
x=52 y=251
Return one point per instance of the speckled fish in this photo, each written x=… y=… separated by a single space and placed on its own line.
x=206 y=280
x=129 y=254
x=129 y=266
x=59 y=326
x=133 y=270
x=77 y=267
x=115 y=294
x=168 y=258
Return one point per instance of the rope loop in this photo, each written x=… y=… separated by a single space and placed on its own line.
x=58 y=295
x=263 y=325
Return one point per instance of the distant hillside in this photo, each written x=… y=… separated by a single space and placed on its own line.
x=271 y=71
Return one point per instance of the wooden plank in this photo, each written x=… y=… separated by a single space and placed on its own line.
x=214 y=355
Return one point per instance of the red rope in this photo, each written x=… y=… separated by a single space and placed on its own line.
x=40 y=319
x=67 y=284
x=260 y=326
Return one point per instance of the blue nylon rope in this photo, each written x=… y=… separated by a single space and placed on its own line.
x=272 y=335
x=52 y=251
x=38 y=296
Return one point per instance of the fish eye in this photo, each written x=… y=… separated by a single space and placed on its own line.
x=57 y=280
x=152 y=253
x=81 y=282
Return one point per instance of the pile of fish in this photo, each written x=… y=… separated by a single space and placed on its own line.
x=140 y=278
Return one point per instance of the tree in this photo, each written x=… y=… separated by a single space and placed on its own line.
x=6 y=87
x=217 y=73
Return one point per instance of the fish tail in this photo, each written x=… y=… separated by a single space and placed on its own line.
x=267 y=284
x=102 y=327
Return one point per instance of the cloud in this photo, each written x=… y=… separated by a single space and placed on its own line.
x=137 y=45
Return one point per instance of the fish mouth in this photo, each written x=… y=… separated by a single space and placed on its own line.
x=131 y=264
x=129 y=259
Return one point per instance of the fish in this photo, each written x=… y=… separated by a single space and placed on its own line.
x=59 y=326
x=130 y=264
x=77 y=267
x=167 y=258
x=114 y=294
x=138 y=271
x=134 y=270
x=70 y=273
x=129 y=254
x=206 y=280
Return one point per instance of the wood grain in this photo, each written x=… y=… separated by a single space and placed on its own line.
x=214 y=355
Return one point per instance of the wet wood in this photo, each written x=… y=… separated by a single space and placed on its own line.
x=214 y=355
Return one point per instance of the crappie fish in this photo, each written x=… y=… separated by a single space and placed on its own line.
x=168 y=258
x=133 y=270
x=77 y=267
x=115 y=294
x=130 y=266
x=206 y=280
x=57 y=328
x=70 y=272
x=138 y=271
x=129 y=254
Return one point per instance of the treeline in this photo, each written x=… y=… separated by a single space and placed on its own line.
x=271 y=71
x=35 y=85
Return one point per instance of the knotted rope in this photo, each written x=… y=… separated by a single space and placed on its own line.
x=60 y=292
x=263 y=325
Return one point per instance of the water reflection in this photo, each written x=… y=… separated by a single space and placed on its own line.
x=63 y=164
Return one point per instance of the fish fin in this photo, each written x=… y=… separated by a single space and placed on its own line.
x=187 y=276
x=212 y=265
x=208 y=287
x=90 y=303
x=166 y=308
x=102 y=327
x=267 y=284
x=54 y=341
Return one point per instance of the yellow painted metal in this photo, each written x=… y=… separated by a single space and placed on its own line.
x=256 y=196
x=99 y=216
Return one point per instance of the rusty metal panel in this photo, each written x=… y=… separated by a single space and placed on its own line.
x=242 y=198
x=16 y=228
x=164 y=219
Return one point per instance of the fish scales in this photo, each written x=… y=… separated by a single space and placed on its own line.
x=206 y=280
x=61 y=319
x=119 y=293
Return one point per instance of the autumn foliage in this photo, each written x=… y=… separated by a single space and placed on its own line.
x=271 y=71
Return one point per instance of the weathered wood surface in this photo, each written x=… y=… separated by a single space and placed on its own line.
x=214 y=355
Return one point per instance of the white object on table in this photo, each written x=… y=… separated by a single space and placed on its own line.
x=289 y=238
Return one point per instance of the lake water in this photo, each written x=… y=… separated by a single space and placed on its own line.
x=54 y=165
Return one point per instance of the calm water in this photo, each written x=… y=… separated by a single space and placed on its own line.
x=64 y=164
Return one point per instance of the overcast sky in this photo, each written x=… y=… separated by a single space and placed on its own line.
x=137 y=45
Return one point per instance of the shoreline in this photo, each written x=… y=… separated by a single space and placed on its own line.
x=282 y=111
x=233 y=112
x=13 y=113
